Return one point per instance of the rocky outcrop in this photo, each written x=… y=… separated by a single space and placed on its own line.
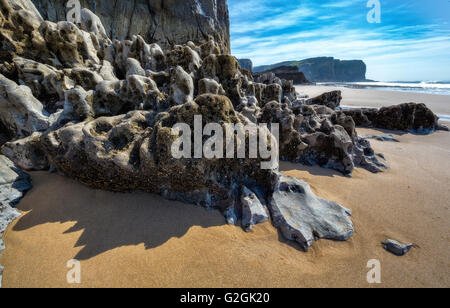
x=317 y=135
x=21 y=113
x=19 y=32
x=246 y=64
x=330 y=99
x=288 y=73
x=325 y=69
x=103 y=112
x=13 y=184
x=134 y=152
x=411 y=117
x=119 y=115
x=167 y=22
x=27 y=153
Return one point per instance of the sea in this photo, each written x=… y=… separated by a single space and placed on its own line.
x=427 y=87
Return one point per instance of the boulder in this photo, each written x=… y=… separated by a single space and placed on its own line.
x=27 y=153
x=330 y=99
x=46 y=82
x=186 y=58
x=72 y=46
x=416 y=118
x=303 y=217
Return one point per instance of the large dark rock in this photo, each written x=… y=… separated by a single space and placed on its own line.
x=325 y=69
x=304 y=218
x=330 y=99
x=133 y=152
x=165 y=22
x=405 y=117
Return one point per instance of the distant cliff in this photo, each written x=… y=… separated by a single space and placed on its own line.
x=288 y=73
x=325 y=69
x=246 y=64
x=166 y=22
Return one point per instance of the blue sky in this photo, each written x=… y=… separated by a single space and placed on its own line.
x=412 y=42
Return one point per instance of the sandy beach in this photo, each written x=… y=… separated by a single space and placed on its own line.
x=142 y=240
x=439 y=104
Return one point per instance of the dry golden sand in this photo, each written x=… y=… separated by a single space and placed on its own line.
x=142 y=240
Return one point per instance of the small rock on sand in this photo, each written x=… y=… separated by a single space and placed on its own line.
x=397 y=248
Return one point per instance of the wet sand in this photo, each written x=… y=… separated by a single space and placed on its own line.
x=142 y=240
x=440 y=104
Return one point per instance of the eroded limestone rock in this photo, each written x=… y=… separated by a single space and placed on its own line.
x=133 y=152
x=330 y=99
x=317 y=135
x=27 y=153
x=20 y=112
x=412 y=117
x=181 y=86
x=73 y=46
x=19 y=32
x=210 y=86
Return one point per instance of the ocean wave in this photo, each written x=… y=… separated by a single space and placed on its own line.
x=423 y=85
x=437 y=87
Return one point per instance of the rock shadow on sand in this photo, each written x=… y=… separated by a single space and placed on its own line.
x=109 y=220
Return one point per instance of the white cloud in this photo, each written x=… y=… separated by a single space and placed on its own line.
x=340 y=4
x=278 y=21
x=420 y=50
